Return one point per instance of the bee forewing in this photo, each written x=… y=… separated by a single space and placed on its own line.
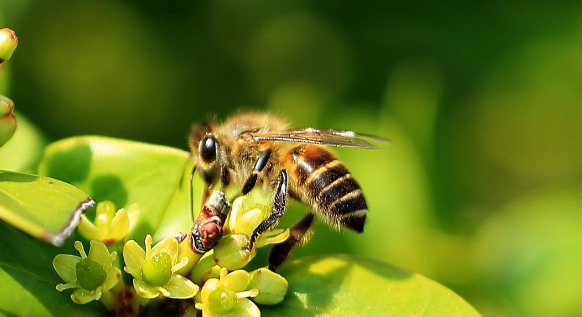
x=353 y=134
x=328 y=137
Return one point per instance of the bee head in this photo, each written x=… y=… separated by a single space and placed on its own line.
x=205 y=149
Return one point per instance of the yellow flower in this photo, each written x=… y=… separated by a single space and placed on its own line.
x=232 y=251
x=245 y=220
x=91 y=275
x=154 y=270
x=227 y=296
x=109 y=226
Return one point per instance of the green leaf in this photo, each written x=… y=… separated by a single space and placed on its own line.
x=123 y=172
x=28 y=280
x=178 y=216
x=44 y=207
x=341 y=285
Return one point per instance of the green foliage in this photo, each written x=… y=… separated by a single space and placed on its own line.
x=28 y=279
x=340 y=285
x=123 y=172
x=482 y=103
x=47 y=208
x=133 y=169
x=539 y=274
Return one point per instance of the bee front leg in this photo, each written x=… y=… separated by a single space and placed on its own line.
x=280 y=251
x=259 y=166
x=279 y=206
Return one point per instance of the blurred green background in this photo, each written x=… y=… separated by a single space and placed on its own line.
x=481 y=187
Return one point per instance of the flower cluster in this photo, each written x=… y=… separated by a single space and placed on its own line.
x=213 y=283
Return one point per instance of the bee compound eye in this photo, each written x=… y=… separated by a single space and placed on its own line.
x=208 y=149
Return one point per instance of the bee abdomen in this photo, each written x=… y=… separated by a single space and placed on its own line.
x=330 y=186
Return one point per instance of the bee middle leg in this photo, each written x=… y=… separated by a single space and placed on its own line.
x=279 y=206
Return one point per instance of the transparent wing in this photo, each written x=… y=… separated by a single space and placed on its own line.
x=329 y=137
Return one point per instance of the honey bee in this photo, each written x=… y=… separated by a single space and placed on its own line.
x=257 y=147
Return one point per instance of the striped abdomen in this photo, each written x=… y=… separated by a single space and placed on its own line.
x=320 y=180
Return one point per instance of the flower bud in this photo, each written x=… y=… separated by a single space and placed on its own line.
x=8 y=42
x=248 y=220
x=205 y=269
x=272 y=286
x=7 y=119
x=231 y=251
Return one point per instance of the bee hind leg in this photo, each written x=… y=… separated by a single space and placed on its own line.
x=281 y=251
x=279 y=206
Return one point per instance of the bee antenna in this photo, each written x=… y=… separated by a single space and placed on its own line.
x=192 y=191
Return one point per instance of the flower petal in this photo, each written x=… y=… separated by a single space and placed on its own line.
x=112 y=278
x=178 y=266
x=235 y=212
x=245 y=308
x=207 y=312
x=134 y=256
x=65 y=264
x=83 y=296
x=133 y=213
x=144 y=290
x=236 y=280
x=210 y=285
x=168 y=245
x=100 y=254
x=181 y=287
x=119 y=226
x=89 y=230
x=250 y=219
x=272 y=237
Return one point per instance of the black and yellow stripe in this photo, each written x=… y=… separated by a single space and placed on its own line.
x=330 y=186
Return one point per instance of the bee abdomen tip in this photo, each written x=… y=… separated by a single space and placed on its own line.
x=355 y=221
